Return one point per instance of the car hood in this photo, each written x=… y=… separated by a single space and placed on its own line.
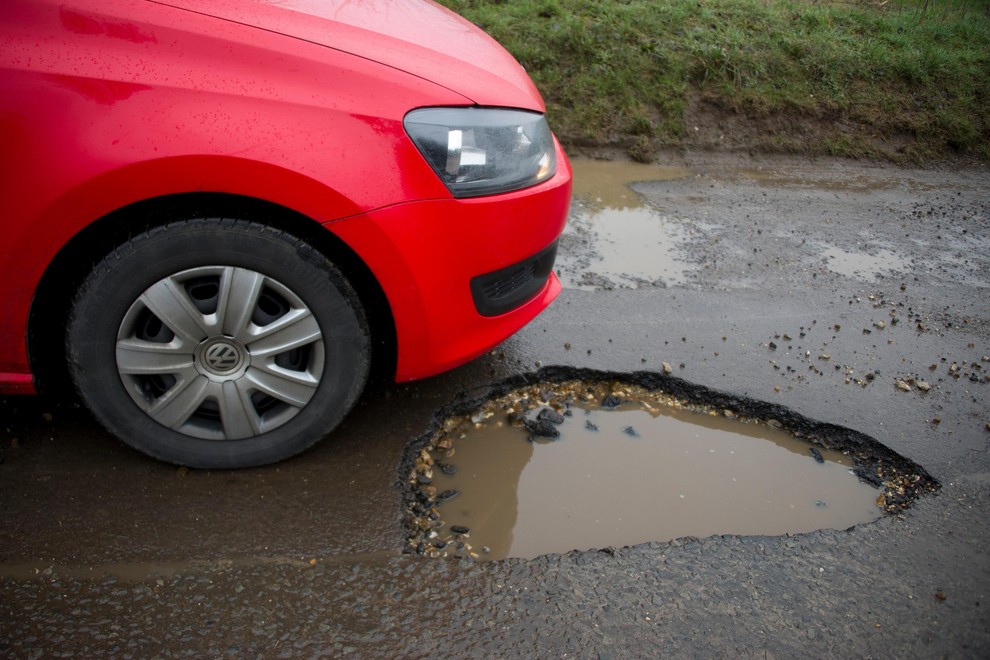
x=415 y=36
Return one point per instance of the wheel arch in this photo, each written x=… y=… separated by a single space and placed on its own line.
x=57 y=287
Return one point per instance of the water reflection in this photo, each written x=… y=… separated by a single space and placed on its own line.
x=614 y=238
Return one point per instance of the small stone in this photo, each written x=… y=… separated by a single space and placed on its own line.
x=922 y=385
x=729 y=414
x=940 y=596
x=817 y=455
x=630 y=431
x=880 y=325
x=448 y=494
x=594 y=427
x=902 y=385
x=936 y=420
x=611 y=401
x=550 y=415
x=667 y=368
x=542 y=428
x=481 y=416
x=460 y=529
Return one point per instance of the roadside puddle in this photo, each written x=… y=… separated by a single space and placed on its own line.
x=613 y=238
x=580 y=465
x=864 y=265
x=604 y=184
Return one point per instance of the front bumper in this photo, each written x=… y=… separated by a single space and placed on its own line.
x=507 y=288
x=426 y=255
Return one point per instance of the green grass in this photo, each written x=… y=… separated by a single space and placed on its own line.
x=905 y=80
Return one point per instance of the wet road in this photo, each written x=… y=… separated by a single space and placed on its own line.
x=774 y=263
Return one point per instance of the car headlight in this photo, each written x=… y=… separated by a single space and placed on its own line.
x=483 y=151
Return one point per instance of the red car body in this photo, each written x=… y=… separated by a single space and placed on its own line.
x=112 y=104
x=106 y=104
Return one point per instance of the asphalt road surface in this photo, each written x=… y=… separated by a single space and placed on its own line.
x=764 y=265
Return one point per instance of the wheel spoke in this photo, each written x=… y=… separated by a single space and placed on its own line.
x=297 y=328
x=239 y=418
x=181 y=401
x=239 y=292
x=292 y=387
x=169 y=302
x=136 y=357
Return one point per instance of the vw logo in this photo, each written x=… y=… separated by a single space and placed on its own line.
x=222 y=357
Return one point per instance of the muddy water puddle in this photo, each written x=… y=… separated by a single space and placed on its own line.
x=605 y=183
x=495 y=484
x=614 y=237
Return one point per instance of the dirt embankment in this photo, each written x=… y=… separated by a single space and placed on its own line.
x=711 y=125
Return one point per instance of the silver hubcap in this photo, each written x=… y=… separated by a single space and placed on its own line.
x=220 y=353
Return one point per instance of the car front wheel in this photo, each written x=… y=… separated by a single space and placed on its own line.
x=218 y=344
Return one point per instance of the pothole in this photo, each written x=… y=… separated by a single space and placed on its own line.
x=602 y=460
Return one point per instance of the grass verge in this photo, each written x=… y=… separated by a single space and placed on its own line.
x=906 y=80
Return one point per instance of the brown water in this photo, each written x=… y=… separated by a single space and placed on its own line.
x=605 y=183
x=629 y=475
x=633 y=244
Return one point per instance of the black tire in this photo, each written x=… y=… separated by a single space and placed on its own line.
x=218 y=343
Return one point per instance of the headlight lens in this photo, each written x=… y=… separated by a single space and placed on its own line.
x=483 y=151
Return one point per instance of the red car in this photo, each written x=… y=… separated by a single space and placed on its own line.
x=220 y=215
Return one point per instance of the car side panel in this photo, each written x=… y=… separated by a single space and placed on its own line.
x=106 y=103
